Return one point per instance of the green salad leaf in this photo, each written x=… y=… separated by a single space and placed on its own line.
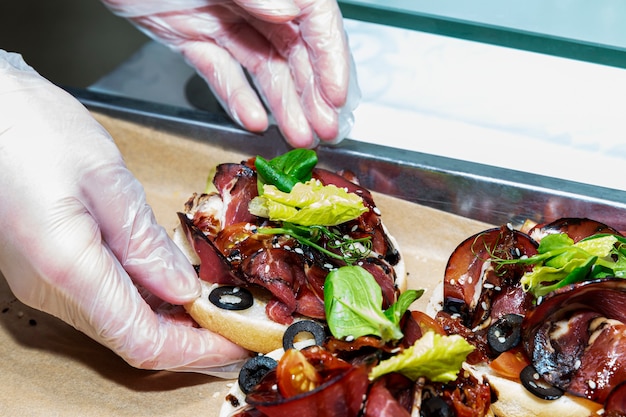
x=310 y=203
x=286 y=170
x=353 y=303
x=560 y=261
x=433 y=356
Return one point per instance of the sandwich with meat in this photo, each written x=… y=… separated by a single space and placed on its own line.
x=544 y=306
x=265 y=234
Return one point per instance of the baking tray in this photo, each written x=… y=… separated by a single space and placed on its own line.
x=481 y=192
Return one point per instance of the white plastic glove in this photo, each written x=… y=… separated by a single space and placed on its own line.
x=78 y=239
x=295 y=51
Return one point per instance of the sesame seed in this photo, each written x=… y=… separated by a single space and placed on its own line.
x=592 y=384
x=287 y=247
x=328 y=266
x=355 y=227
x=452 y=282
x=483 y=305
x=502 y=339
x=299 y=251
x=488 y=286
x=577 y=364
x=509 y=226
x=497 y=288
x=349 y=338
x=377 y=211
x=267 y=269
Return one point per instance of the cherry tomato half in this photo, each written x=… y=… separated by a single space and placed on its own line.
x=509 y=364
x=295 y=374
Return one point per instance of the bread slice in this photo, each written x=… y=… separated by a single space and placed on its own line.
x=249 y=328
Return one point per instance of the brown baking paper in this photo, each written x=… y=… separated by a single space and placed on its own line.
x=47 y=368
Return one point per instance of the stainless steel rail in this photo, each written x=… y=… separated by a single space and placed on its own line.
x=486 y=193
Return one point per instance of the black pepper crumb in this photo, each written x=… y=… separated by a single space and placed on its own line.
x=32 y=322
x=5 y=310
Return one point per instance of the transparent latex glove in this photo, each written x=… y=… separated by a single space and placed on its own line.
x=80 y=242
x=295 y=51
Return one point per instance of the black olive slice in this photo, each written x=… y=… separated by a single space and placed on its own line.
x=253 y=371
x=505 y=333
x=435 y=407
x=538 y=386
x=231 y=298
x=304 y=326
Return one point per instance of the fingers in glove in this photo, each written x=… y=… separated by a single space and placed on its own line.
x=276 y=11
x=117 y=201
x=228 y=82
x=271 y=74
x=322 y=29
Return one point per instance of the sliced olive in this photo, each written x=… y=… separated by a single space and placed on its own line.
x=505 y=333
x=435 y=407
x=303 y=326
x=538 y=386
x=253 y=371
x=231 y=298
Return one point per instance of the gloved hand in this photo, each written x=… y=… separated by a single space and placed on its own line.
x=295 y=51
x=78 y=239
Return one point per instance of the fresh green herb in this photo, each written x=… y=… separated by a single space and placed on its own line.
x=560 y=261
x=353 y=303
x=286 y=170
x=308 y=204
x=433 y=356
x=350 y=250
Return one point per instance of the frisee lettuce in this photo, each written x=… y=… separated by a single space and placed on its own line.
x=560 y=261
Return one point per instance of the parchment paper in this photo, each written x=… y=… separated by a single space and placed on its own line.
x=49 y=369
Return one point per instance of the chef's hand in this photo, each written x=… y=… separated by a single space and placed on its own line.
x=295 y=51
x=79 y=241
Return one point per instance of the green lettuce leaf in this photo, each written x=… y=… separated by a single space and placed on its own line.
x=435 y=357
x=560 y=262
x=353 y=303
x=308 y=204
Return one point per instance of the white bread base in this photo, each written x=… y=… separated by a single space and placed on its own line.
x=249 y=328
x=516 y=401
